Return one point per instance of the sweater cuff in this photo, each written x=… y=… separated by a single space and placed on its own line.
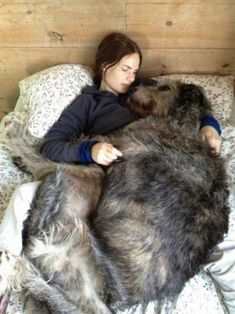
x=210 y=121
x=84 y=152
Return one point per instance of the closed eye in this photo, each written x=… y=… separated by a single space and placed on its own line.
x=164 y=87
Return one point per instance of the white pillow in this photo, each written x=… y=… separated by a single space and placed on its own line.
x=219 y=90
x=44 y=95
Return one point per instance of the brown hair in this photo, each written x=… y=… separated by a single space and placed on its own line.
x=110 y=51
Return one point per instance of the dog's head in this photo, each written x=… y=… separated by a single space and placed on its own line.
x=168 y=98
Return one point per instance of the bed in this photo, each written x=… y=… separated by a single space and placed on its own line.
x=44 y=95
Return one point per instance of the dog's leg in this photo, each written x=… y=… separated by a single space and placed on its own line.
x=56 y=299
x=8 y=268
x=70 y=273
x=49 y=295
x=19 y=274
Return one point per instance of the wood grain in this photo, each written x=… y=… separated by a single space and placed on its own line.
x=59 y=24
x=176 y=36
x=182 y=25
x=166 y=61
x=18 y=63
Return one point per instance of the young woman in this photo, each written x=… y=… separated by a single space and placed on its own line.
x=98 y=111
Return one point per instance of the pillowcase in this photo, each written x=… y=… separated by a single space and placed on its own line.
x=44 y=95
x=219 y=90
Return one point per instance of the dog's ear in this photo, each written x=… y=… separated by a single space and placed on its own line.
x=192 y=95
x=205 y=104
x=190 y=92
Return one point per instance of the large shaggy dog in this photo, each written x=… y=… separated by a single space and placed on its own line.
x=161 y=211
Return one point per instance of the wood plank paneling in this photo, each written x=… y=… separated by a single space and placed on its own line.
x=3 y=111
x=18 y=63
x=166 y=61
x=59 y=24
x=182 y=25
x=182 y=1
x=202 y=1
x=148 y=1
x=232 y=119
x=6 y=2
x=27 y=61
x=176 y=36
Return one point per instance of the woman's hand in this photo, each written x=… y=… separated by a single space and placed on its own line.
x=104 y=153
x=212 y=138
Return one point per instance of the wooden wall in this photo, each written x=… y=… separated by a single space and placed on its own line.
x=176 y=36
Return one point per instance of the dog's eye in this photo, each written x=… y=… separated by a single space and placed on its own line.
x=164 y=87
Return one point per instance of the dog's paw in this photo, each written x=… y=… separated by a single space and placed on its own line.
x=7 y=270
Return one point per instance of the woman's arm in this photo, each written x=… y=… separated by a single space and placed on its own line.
x=60 y=143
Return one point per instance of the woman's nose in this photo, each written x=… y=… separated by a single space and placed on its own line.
x=130 y=77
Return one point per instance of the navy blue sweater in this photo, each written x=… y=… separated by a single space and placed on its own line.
x=94 y=112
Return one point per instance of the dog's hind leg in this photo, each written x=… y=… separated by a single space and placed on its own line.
x=50 y=296
x=17 y=273
x=70 y=269
x=8 y=268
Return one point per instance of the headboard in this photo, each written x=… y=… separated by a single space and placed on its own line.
x=176 y=36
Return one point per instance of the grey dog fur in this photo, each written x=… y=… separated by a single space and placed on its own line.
x=158 y=216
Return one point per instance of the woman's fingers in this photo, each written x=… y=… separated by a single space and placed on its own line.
x=105 y=153
x=212 y=138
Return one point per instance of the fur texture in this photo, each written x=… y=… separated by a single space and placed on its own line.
x=159 y=215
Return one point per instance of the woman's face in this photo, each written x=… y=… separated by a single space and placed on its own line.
x=119 y=77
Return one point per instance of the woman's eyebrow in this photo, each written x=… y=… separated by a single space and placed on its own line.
x=129 y=67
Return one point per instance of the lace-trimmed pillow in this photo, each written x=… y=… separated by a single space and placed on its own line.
x=219 y=90
x=44 y=95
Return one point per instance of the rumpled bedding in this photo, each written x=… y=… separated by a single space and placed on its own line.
x=200 y=293
x=42 y=98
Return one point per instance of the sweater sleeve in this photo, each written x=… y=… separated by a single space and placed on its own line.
x=211 y=121
x=60 y=141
